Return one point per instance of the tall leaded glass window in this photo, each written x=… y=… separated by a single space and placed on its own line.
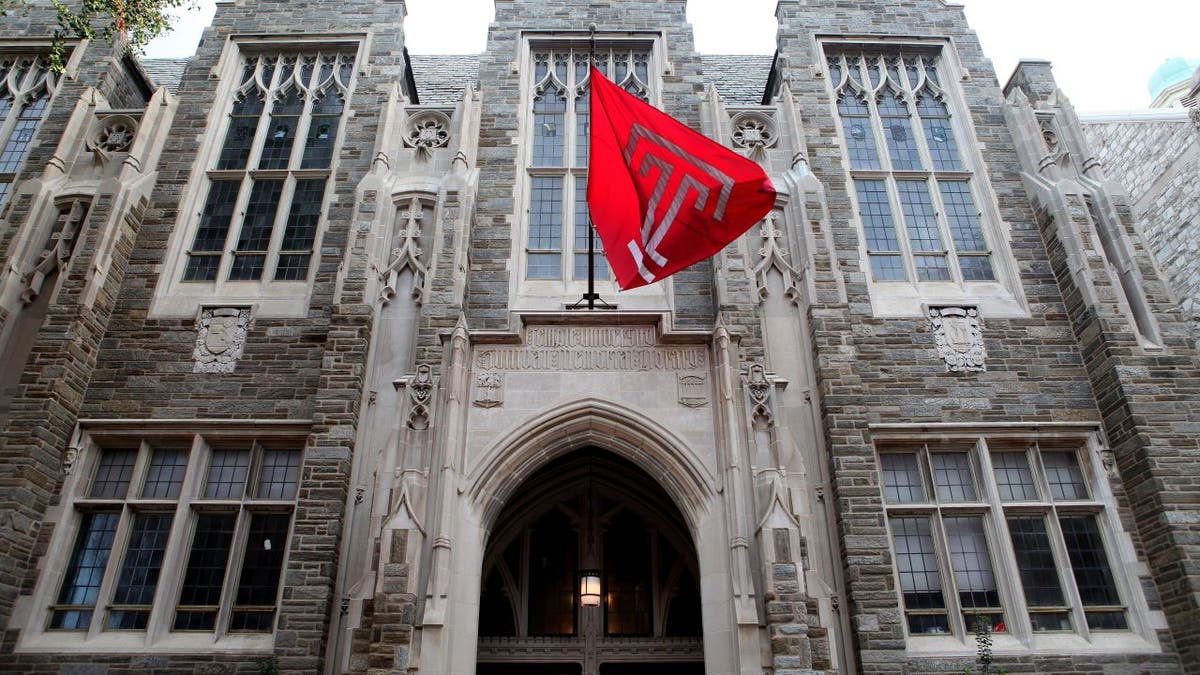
x=556 y=243
x=26 y=84
x=259 y=219
x=916 y=198
x=175 y=539
x=963 y=515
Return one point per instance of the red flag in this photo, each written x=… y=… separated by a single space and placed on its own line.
x=661 y=196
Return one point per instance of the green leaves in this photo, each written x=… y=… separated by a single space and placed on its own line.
x=134 y=22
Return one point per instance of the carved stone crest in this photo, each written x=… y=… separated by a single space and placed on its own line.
x=958 y=333
x=489 y=389
x=693 y=390
x=420 y=394
x=221 y=338
x=760 y=393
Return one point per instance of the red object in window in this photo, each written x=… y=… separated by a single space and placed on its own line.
x=661 y=196
x=1000 y=628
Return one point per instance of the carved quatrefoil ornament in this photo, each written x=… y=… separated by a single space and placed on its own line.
x=427 y=130
x=753 y=130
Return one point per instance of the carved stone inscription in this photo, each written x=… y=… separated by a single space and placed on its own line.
x=595 y=348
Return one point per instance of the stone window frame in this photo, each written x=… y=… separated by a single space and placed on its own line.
x=552 y=293
x=177 y=297
x=1002 y=297
x=38 y=82
x=981 y=444
x=199 y=440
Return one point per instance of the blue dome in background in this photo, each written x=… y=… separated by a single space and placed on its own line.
x=1171 y=73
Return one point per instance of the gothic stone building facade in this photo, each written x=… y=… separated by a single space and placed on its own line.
x=290 y=379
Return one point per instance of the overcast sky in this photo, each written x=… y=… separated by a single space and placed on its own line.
x=1104 y=51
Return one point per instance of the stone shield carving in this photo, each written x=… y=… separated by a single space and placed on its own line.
x=221 y=338
x=693 y=390
x=489 y=389
x=958 y=333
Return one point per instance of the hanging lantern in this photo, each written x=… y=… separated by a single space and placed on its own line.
x=589 y=588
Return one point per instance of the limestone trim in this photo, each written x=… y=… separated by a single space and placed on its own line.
x=598 y=423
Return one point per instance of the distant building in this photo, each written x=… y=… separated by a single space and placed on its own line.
x=291 y=378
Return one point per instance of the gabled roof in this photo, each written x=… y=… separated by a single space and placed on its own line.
x=165 y=72
x=441 y=78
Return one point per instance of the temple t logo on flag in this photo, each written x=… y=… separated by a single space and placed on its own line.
x=661 y=196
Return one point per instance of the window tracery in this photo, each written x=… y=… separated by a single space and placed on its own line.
x=26 y=85
x=916 y=198
x=557 y=238
x=261 y=214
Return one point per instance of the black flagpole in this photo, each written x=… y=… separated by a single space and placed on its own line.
x=591 y=296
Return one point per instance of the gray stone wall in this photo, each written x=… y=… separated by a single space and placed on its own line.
x=875 y=371
x=1158 y=163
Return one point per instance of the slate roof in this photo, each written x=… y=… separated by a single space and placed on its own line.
x=165 y=72
x=441 y=78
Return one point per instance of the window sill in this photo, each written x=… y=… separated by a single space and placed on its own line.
x=136 y=642
x=898 y=300
x=1043 y=644
x=276 y=300
x=554 y=295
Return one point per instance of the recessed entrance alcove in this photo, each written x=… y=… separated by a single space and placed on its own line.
x=590 y=569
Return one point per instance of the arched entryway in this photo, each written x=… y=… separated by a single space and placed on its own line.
x=590 y=516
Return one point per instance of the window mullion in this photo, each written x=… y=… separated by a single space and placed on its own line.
x=170 y=580
x=282 y=212
x=116 y=556
x=949 y=582
x=233 y=571
x=939 y=208
x=236 y=222
x=1066 y=578
x=1016 y=608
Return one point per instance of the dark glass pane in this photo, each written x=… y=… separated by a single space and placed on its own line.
x=164 y=478
x=81 y=583
x=897 y=130
x=281 y=131
x=322 y=132
x=205 y=256
x=139 y=574
x=113 y=474
x=22 y=134
x=879 y=228
x=1039 y=575
x=1013 y=477
x=262 y=566
x=856 y=127
x=1107 y=621
x=923 y=234
x=683 y=614
x=928 y=624
x=553 y=554
x=952 y=475
x=919 y=577
x=5 y=188
x=1050 y=621
x=545 y=226
x=279 y=474
x=255 y=236
x=901 y=478
x=227 y=474
x=628 y=580
x=1064 y=476
x=971 y=563
x=201 y=593
x=243 y=123
x=549 y=134
x=1089 y=563
x=301 y=230
x=582 y=126
x=939 y=135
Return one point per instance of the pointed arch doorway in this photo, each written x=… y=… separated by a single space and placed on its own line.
x=590 y=570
